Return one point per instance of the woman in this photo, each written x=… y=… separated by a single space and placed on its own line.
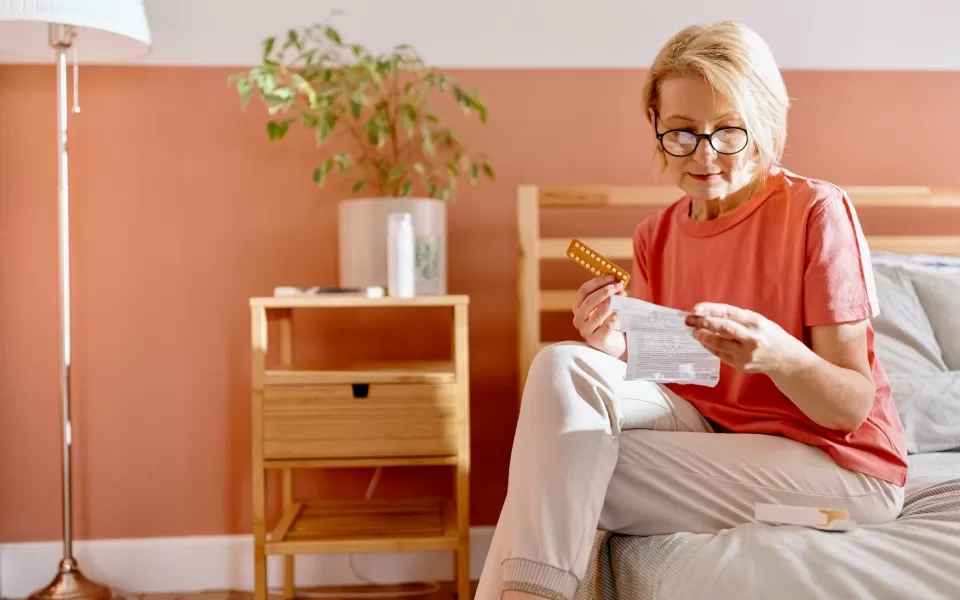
x=774 y=270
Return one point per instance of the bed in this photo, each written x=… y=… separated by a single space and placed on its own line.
x=918 y=341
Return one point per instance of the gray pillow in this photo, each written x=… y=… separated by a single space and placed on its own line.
x=929 y=407
x=905 y=341
x=939 y=293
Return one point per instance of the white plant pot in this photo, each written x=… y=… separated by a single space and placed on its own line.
x=363 y=242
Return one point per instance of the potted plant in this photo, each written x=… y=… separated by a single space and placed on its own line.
x=374 y=119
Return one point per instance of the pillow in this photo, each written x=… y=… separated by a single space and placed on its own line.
x=905 y=342
x=929 y=407
x=939 y=293
x=923 y=262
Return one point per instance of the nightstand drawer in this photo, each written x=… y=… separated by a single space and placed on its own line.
x=344 y=420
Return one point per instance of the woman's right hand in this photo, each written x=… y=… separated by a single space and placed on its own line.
x=595 y=320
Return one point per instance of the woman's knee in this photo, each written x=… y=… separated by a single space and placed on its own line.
x=557 y=357
x=572 y=371
x=561 y=360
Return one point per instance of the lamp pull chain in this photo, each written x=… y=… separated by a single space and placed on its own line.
x=76 y=81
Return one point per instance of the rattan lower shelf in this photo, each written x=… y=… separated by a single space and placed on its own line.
x=317 y=527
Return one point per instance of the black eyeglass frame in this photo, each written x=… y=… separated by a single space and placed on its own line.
x=700 y=137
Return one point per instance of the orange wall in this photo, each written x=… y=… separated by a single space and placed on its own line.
x=182 y=210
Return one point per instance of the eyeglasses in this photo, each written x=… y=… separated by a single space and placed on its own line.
x=680 y=142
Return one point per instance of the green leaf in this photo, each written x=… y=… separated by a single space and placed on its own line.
x=308 y=119
x=405 y=188
x=419 y=168
x=409 y=116
x=356 y=186
x=432 y=190
x=333 y=35
x=307 y=56
x=376 y=130
x=304 y=87
x=481 y=112
x=468 y=103
x=474 y=172
x=264 y=79
x=292 y=40
x=319 y=174
x=277 y=129
x=281 y=94
x=279 y=99
x=325 y=127
x=343 y=161
x=360 y=98
x=331 y=119
x=244 y=89
x=385 y=67
x=428 y=147
x=369 y=69
x=268 y=46
x=395 y=173
x=488 y=170
x=409 y=125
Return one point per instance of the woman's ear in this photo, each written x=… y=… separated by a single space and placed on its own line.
x=651 y=116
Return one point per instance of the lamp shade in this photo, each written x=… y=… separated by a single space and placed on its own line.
x=106 y=29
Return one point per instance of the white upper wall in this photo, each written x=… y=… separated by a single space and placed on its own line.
x=804 y=34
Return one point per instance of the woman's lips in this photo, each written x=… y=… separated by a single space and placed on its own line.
x=704 y=177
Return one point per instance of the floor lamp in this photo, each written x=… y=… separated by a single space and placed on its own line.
x=45 y=29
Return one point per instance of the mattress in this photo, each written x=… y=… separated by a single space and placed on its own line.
x=916 y=556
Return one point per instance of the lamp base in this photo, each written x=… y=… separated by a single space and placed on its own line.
x=70 y=584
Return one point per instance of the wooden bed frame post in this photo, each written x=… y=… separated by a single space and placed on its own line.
x=528 y=278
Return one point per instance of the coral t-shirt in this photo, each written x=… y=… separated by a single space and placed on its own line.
x=794 y=253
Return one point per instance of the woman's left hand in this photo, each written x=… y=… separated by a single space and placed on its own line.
x=743 y=339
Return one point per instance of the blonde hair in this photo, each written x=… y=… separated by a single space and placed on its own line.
x=737 y=63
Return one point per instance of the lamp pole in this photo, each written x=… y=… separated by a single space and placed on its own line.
x=69 y=582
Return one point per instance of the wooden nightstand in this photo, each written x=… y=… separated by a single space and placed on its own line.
x=377 y=414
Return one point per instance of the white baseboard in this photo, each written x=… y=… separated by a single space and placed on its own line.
x=185 y=564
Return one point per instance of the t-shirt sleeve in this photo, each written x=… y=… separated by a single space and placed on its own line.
x=838 y=283
x=639 y=277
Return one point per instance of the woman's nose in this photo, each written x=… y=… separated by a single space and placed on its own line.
x=704 y=152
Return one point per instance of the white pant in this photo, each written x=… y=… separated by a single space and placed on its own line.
x=593 y=451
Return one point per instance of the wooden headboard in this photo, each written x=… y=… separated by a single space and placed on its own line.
x=533 y=200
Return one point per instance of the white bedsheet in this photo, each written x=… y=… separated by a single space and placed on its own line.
x=917 y=556
x=935 y=466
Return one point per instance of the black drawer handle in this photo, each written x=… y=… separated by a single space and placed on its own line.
x=360 y=390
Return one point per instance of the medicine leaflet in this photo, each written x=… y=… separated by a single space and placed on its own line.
x=661 y=347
